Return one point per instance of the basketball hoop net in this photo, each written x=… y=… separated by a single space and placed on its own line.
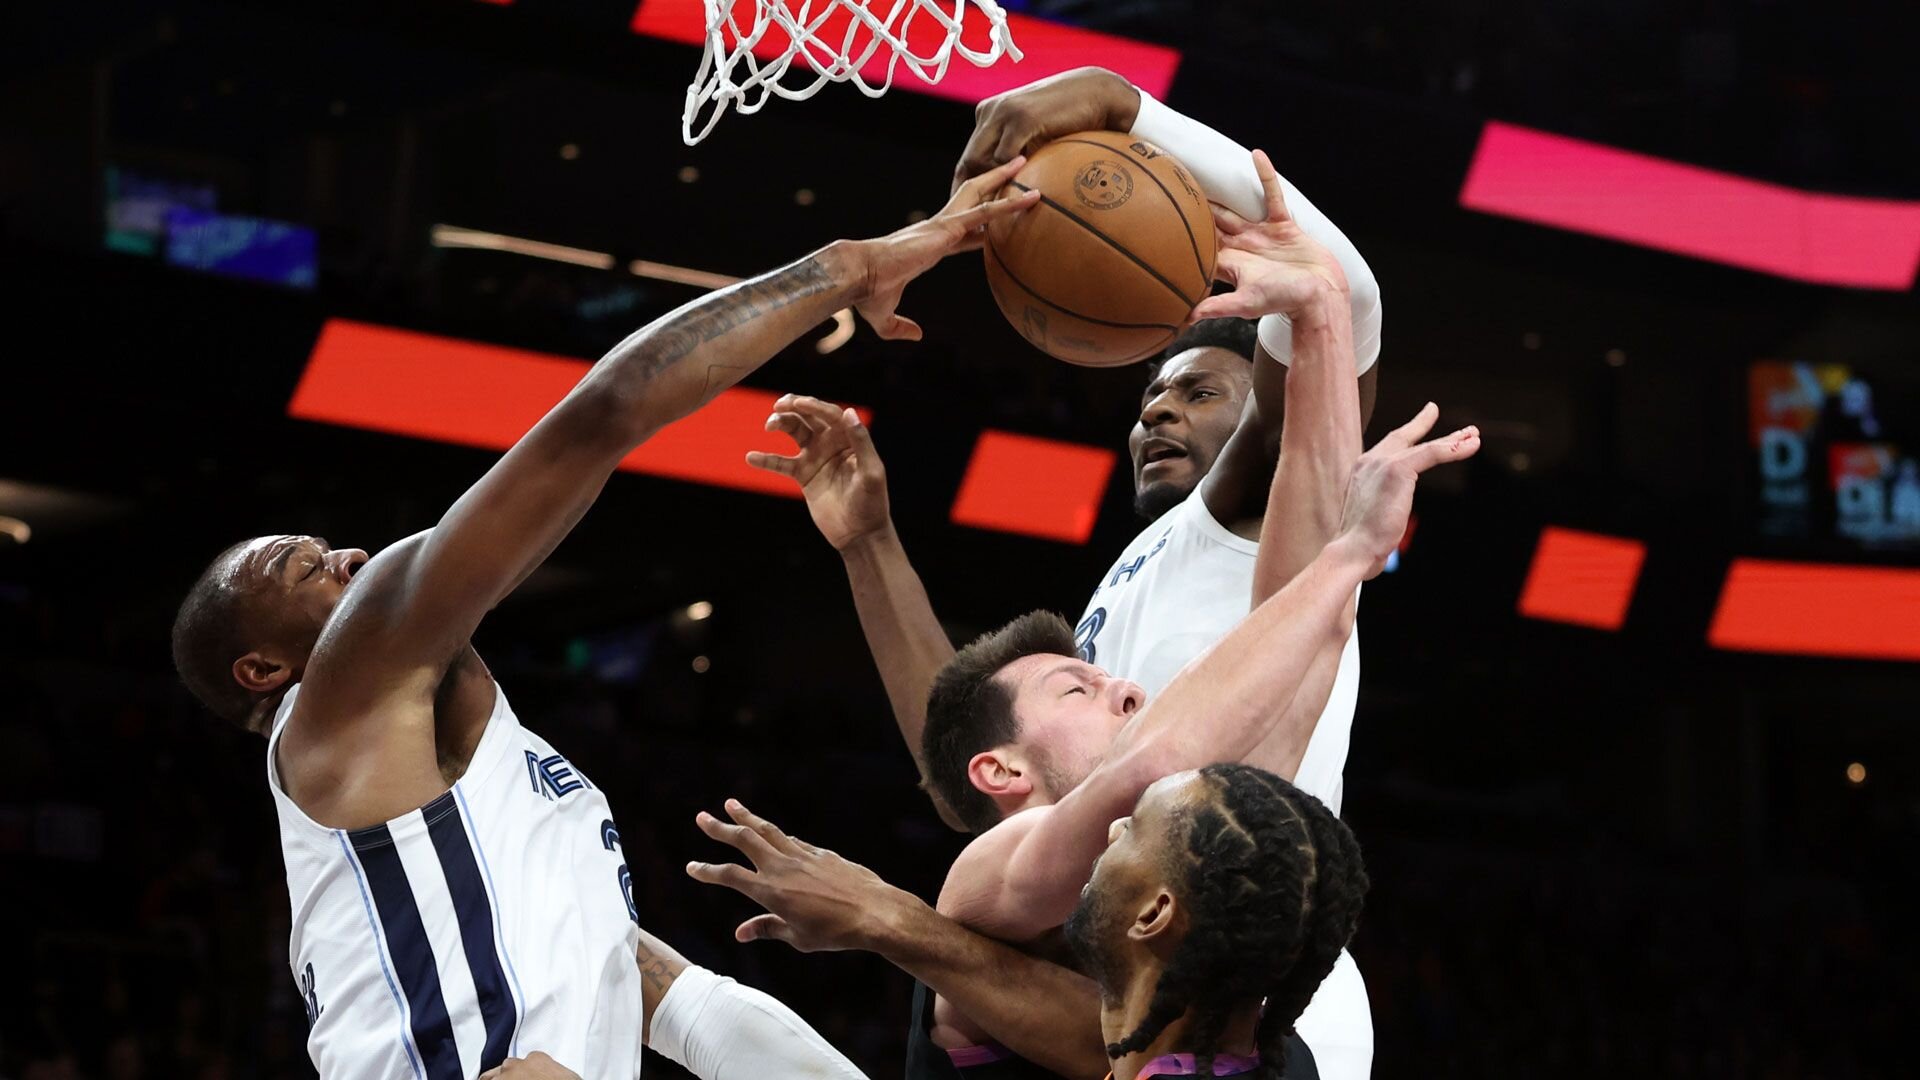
x=835 y=41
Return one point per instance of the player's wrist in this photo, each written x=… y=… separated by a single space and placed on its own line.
x=1348 y=554
x=1324 y=302
x=853 y=265
x=1119 y=98
x=900 y=926
x=869 y=542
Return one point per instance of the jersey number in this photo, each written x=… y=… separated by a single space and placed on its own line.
x=610 y=839
x=1089 y=629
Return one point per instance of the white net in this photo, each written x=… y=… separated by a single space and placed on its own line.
x=864 y=42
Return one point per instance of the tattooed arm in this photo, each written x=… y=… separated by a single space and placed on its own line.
x=659 y=966
x=365 y=717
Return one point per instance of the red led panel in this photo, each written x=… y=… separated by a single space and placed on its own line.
x=1823 y=610
x=1047 y=48
x=1582 y=578
x=1035 y=487
x=422 y=385
x=1586 y=187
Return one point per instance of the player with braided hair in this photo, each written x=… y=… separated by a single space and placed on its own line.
x=1227 y=888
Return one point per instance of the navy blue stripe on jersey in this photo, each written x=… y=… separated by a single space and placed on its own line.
x=499 y=918
x=412 y=952
x=406 y=1039
x=475 y=916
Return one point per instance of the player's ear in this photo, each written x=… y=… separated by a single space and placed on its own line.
x=1000 y=773
x=258 y=674
x=1154 y=924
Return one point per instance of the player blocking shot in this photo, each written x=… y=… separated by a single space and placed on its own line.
x=458 y=891
x=1237 y=501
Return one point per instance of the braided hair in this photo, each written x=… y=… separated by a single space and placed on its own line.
x=1274 y=884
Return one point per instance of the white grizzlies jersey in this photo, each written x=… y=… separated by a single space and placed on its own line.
x=1178 y=588
x=496 y=920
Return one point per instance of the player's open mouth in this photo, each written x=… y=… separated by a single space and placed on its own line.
x=1154 y=451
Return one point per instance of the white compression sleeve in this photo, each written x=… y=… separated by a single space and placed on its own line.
x=1225 y=171
x=719 y=1030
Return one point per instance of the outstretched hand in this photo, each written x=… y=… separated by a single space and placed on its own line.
x=1273 y=265
x=837 y=468
x=816 y=901
x=1380 y=494
x=896 y=259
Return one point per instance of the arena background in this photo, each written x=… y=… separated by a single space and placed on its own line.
x=1632 y=806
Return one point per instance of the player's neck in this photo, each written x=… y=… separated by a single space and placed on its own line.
x=1120 y=1019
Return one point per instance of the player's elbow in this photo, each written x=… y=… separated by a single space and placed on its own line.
x=607 y=411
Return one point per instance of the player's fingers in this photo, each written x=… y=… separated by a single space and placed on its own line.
x=1227 y=221
x=863 y=448
x=1230 y=263
x=988 y=184
x=1225 y=306
x=1458 y=446
x=774 y=463
x=732 y=875
x=764 y=928
x=977 y=157
x=793 y=425
x=990 y=211
x=822 y=416
x=898 y=328
x=1412 y=431
x=1013 y=143
x=1271 y=186
x=768 y=831
x=739 y=837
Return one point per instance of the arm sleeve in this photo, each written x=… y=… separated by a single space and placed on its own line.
x=719 y=1030
x=1225 y=171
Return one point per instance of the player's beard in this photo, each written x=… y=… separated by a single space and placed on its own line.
x=1154 y=500
x=1090 y=933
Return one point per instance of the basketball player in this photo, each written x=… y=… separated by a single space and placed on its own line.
x=1203 y=449
x=457 y=887
x=1189 y=576
x=1217 y=907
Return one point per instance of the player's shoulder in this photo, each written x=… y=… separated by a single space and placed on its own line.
x=977 y=875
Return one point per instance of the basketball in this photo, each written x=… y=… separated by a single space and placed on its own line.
x=1106 y=268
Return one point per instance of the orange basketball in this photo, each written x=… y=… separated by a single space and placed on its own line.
x=1106 y=268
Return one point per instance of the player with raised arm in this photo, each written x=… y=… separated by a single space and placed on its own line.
x=1182 y=584
x=1204 y=448
x=457 y=887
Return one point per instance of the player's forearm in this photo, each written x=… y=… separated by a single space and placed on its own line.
x=1042 y=1011
x=1319 y=442
x=1226 y=173
x=1285 y=746
x=908 y=645
x=1220 y=706
x=680 y=361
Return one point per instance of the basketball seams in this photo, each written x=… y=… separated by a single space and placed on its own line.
x=1047 y=200
x=1193 y=242
x=1001 y=264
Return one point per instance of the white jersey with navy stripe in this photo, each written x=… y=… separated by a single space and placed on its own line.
x=1178 y=588
x=496 y=920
